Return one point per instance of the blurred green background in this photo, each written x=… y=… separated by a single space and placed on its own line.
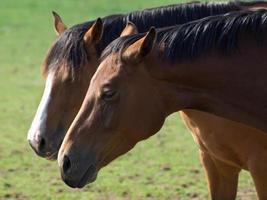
x=164 y=167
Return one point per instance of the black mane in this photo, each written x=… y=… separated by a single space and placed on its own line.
x=216 y=33
x=69 y=49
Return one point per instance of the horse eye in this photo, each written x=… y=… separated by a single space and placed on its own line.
x=109 y=94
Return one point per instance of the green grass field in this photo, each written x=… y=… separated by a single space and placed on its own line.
x=164 y=167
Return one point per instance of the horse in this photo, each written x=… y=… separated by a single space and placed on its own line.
x=73 y=59
x=224 y=158
x=225 y=148
x=143 y=79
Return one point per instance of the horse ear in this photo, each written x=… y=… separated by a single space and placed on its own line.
x=94 y=33
x=59 y=26
x=141 y=48
x=129 y=29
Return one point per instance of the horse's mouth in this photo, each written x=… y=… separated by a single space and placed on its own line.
x=51 y=156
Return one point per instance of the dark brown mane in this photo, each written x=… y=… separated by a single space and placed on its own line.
x=69 y=51
x=195 y=38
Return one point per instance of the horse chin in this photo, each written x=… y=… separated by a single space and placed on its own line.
x=92 y=179
x=89 y=177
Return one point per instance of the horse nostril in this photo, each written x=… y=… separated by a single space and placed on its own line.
x=66 y=164
x=41 y=145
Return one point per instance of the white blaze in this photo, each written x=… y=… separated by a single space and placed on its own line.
x=38 y=123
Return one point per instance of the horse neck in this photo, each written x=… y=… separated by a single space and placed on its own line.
x=232 y=86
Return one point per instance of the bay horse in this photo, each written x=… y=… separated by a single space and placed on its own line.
x=225 y=148
x=142 y=79
x=73 y=59
x=242 y=147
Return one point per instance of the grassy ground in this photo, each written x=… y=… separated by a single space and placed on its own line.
x=163 y=167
